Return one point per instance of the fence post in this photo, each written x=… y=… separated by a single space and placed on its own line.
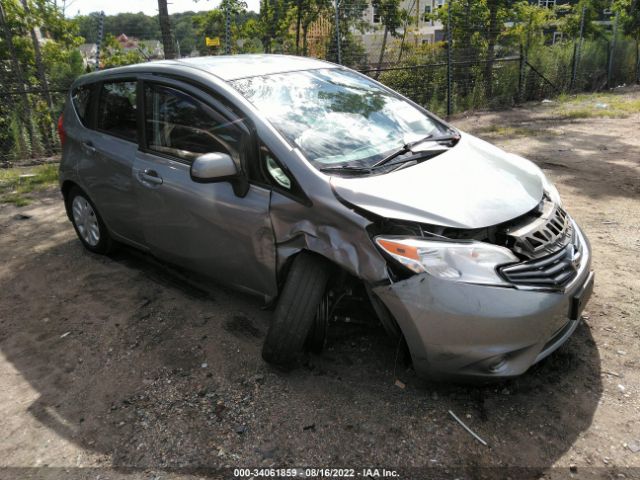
x=99 y=42
x=612 y=51
x=638 y=61
x=338 y=49
x=522 y=64
x=576 y=51
x=449 y=61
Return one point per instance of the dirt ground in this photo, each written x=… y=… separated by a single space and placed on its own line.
x=117 y=368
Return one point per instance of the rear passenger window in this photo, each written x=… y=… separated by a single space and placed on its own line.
x=179 y=125
x=81 y=98
x=117 y=110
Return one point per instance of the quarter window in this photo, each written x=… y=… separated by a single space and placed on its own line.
x=117 y=110
x=179 y=125
x=81 y=99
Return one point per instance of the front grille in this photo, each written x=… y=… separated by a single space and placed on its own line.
x=549 y=232
x=551 y=271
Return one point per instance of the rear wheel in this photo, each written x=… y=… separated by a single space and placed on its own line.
x=87 y=222
x=297 y=309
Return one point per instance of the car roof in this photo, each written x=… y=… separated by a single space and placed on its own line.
x=225 y=67
x=233 y=67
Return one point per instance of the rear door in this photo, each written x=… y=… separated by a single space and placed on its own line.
x=202 y=226
x=108 y=153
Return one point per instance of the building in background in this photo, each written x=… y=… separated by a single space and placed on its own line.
x=421 y=30
x=150 y=49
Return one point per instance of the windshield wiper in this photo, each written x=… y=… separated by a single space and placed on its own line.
x=346 y=169
x=408 y=146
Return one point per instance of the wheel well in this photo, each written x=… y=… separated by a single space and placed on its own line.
x=283 y=272
x=67 y=185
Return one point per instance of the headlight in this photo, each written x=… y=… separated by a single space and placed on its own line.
x=551 y=190
x=473 y=262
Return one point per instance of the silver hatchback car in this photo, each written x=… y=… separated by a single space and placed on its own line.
x=308 y=183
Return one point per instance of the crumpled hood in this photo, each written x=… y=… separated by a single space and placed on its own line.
x=472 y=185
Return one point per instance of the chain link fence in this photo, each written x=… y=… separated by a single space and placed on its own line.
x=445 y=55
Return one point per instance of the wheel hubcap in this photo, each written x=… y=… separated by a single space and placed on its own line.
x=86 y=221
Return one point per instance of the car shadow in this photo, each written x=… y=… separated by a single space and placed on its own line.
x=131 y=360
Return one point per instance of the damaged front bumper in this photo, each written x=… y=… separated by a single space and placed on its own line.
x=468 y=331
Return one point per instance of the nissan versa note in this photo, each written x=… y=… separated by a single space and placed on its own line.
x=312 y=185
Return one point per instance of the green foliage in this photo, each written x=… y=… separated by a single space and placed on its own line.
x=390 y=15
x=629 y=16
x=113 y=55
x=246 y=30
x=411 y=81
x=27 y=120
x=138 y=24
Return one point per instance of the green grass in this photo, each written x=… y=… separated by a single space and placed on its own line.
x=16 y=184
x=602 y=105
x=511 y=132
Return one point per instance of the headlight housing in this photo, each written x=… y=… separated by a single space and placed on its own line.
x=469 y=262
x=551 y=191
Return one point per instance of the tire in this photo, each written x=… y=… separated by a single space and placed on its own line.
x=296 y=311
x=318 y=333
x=88 y=223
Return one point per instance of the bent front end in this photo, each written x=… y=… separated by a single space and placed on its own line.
x=469 y=331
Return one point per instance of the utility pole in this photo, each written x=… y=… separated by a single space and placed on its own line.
x=165 y=28
x=99 y=42
x=449 y=62
x=338 y=51
x=298 y=22
x=227 y=27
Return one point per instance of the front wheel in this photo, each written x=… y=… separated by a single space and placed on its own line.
x=297 y=308
x=87 y=222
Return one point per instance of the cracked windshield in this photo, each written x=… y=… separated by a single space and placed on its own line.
x=336 y=117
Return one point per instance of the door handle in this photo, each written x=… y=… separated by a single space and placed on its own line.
x=150 y=176
x=88 y=146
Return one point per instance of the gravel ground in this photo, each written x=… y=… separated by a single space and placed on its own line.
x=120 y=368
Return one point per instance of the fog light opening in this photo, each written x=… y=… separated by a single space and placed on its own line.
x=498 y=365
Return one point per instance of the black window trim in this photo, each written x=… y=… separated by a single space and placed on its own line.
x=96 y=104
x=211 y=98
x=296 y=191
x=89 y=115
x=188 y=89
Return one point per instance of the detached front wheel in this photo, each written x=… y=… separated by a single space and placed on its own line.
x=297 y=308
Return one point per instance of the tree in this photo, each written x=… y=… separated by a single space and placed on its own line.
x=469 y=20
x=115 y=56
x=17 y=72
x=41 y=74
x=391 y=18
x=629 y=17
x=275 y=17
x=212 y=24
x=350 y=18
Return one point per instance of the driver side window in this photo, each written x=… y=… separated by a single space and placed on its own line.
x=181 y=126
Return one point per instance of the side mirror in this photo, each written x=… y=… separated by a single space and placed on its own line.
x=213 y=167
x=219 y=167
